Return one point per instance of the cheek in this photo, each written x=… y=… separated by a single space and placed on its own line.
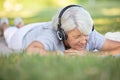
x=72 y=42
x=75 y=42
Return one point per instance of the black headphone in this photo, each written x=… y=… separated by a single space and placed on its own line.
x=61 y=34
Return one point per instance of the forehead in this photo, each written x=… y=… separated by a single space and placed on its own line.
x=74 y=31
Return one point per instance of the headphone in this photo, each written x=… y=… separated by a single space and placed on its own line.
x=61 y=34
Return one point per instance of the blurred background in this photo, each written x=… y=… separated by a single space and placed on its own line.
x=105 y=13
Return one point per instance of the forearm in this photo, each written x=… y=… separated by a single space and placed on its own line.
x=42 y=51
x=35 y=50
x=111 y=47
x=72 y=52
x=115 y=51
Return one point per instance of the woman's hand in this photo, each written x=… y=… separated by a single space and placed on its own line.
x=73 y=52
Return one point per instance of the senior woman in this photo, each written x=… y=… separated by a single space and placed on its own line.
x=71 y=31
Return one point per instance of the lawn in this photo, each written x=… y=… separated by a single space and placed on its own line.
x=105 y=14
x=36 y=67
x=16 y=66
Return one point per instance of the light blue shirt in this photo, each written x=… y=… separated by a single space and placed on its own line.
x=95 y=41
x=47 y=36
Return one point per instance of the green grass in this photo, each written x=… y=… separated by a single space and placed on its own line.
x=105 y=14
x=36 y=67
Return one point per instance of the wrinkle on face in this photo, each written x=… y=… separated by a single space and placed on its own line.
x=76 y=40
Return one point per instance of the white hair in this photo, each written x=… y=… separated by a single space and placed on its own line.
x=74 y=17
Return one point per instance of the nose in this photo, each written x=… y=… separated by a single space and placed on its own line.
x=83 y=39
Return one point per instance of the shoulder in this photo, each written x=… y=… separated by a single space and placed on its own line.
x=95 y=34
x=96 y=40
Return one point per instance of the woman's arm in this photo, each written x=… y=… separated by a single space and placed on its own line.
x=36 y=48
x=110 y=46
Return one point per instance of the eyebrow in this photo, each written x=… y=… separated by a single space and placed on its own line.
x=76 y=35
x=79 y=35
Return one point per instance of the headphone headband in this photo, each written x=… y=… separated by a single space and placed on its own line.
x=61 y=13
x=60 y=32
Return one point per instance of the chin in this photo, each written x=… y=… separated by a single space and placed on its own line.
x=80 y=49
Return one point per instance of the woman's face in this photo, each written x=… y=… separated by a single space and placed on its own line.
x=76 y=40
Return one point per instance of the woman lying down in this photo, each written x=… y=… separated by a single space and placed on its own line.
x=70 y=32
x=16 y=41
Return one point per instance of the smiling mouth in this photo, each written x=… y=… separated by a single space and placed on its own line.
x=81 y=46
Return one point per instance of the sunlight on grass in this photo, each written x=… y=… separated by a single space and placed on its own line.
x=23 y=14
x=106 y=21
x=15 y=8
x=107 y=24
x=111 y=11
x=106 y=15
x=102 y=21
x=12 y=8
x=11 y=5
x=64 y=2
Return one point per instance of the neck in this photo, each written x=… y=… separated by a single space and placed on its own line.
x=67 y=46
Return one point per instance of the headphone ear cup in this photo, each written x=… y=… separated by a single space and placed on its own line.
x=61 y=35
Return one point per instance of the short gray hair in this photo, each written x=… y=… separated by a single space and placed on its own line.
x=74 y=17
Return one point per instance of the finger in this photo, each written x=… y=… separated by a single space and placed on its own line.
x=67 y=51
